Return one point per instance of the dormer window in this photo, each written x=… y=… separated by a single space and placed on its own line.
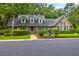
x=31 y=20
x=40 y=21
x=23 y=21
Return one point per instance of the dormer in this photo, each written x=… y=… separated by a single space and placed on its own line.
x=23 y=20
x=40 y=20
x=31 y=20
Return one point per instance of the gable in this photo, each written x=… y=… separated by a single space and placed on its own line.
x=64 y=21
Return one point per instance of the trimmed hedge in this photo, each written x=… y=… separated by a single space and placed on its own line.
x=8 y=34
x=20 y=32
x=69 y=35
x=1 y=32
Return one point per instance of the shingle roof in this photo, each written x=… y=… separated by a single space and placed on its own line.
x=47 y=22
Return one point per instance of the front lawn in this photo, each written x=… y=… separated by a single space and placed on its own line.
x=15 y=37
x=67 y=35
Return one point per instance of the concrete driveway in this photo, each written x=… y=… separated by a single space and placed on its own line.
x=40 y=48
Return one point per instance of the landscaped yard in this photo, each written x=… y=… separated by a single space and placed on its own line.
x=15 y=37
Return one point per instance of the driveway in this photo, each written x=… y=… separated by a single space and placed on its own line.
x=40 y=48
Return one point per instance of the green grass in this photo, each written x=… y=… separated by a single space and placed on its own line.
x=68 y=35
x=15 y=37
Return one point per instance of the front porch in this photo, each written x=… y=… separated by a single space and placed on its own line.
x=31 y=28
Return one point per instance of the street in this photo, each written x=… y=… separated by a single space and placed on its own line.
x=40 y=48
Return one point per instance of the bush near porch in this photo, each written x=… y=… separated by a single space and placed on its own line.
x=41 y=32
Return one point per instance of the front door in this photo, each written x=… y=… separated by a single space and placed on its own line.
x=32 y=29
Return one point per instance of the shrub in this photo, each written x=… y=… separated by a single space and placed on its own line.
x=1 y=32
x=72 y=30
x=64 y=32
x=20 y=32
x=55 y=32
x=7 y=34
x=41 y=32
x=7 y=31
x=77 y=30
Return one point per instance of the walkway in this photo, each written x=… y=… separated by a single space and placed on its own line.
x=34 y=37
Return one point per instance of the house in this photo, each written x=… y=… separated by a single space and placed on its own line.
x=37 y=22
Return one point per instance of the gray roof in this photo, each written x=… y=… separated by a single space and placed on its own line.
x=47 y=22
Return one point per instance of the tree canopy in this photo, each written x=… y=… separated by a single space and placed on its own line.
x=72 y=12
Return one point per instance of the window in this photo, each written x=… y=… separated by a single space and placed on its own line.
x=62 y=23
x=65 y=28
x=23 y=21
x=26 y=20
x=31 y=20
x=40 y=21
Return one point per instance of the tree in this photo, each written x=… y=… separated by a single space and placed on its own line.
x=60 y=12
x=55 y=32
x=71 y=10
x=69 y=7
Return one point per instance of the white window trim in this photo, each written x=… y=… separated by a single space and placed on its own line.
x=23 y=20
x=39 y=20
x=31 y=20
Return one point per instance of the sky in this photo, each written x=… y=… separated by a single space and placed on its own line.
x=59 y=5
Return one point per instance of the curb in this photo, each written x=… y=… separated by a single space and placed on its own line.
x=41 y=39
x=17 y=40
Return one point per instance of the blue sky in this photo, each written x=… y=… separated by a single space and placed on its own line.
x=59 y=5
